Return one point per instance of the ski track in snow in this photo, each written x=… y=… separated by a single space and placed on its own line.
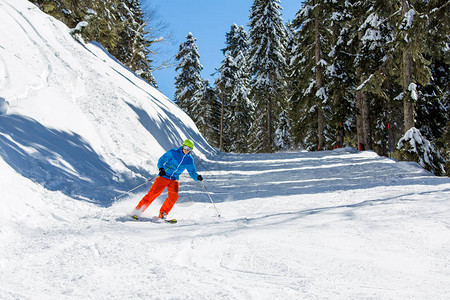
x=296 y=225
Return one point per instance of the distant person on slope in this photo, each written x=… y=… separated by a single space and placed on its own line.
x=170 y=166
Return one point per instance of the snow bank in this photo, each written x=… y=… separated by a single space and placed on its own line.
x=72 y=117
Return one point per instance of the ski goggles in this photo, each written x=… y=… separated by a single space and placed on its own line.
x=187 y=148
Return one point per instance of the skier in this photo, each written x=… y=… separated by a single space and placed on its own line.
x=170 y=166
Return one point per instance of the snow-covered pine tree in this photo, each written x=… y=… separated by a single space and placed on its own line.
x=340 y=74
x=69 y=12
x=212 y=115
x=432 y=113
x=432 y=108
x=284 y=135
x=310 y=60
x=303 y=130
x=376 y=91
x=234 y=87
x=409 y=22
x=133 y=47
x=268 y=66
x=283 y=132
x=414 y=147
x=422 y=40
x=224 y=86
x=206 y=109
x=188 y=81
x=291 y=46
x=241 y=107
x=240 y=115
x=102 y=24
x=362 y=75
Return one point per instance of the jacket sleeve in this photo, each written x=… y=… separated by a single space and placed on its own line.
x=192 y=170
x=165 y=160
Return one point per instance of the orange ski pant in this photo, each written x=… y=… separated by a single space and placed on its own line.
x=157 y=188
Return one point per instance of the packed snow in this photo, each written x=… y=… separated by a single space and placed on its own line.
x=78 y=129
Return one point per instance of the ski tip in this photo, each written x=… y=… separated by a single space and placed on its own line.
x=173 y=221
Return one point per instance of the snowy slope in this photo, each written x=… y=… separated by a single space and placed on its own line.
x=72 y=117
x=75 y=124
x=325 y=225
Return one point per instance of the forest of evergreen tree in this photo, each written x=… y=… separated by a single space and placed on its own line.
x=367 y=74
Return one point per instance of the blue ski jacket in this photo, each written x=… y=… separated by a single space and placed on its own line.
x=175 y=162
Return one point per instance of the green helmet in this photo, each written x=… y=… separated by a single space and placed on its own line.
x=188 y=143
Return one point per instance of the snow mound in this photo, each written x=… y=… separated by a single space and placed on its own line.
x=73 y=118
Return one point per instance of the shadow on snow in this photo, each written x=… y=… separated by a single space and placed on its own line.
x=58 y=160
x=64 y=161
x=286 y=174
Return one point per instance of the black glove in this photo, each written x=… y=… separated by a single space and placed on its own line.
x=199 y=178
x=162 y=172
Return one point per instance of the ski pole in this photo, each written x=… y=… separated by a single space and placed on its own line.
x=117 y=197
x=218 y=214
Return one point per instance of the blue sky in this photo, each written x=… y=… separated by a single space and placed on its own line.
x=209 y=21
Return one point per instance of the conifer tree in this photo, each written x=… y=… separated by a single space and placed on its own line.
x=206 y=109
x=433 y=107
x=133 y=47
x=291 y=46
x=410 y=22
x=268 y=65
x=372 y=32
x=283 y=132
x=301 y=117
x=212 y=115
x=234 y=88
x=224 y=86
x=340 y=75
x=431 y=114
x=241 y=107
x=311 y=99
x=421 y=41
x=69 y=12
x=188 y=82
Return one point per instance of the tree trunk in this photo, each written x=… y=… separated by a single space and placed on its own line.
x=269 y=126
x=365 y=116
x=362 y=105
x=267 y=140
x=319 y=85
x=359 y=127
x=221 y=127
x=408 y=103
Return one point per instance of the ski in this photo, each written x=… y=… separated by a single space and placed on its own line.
x=155 y=220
